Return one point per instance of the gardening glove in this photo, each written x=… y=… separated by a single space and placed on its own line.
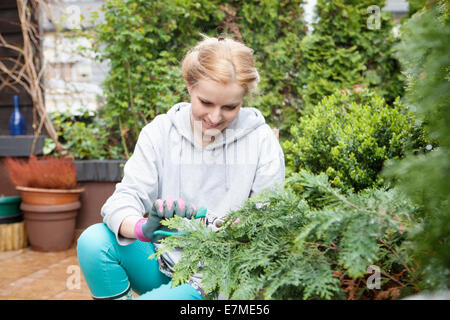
x=150 y=229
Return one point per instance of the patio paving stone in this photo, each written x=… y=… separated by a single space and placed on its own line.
x=31 y=275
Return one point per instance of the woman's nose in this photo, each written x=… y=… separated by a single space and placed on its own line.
x=215 y=116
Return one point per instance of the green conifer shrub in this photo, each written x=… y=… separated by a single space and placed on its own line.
x=414 y=6
x=349 y=135
x=424 y=53
x=283 y=248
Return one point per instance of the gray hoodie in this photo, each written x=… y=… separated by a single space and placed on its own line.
x=168 y=162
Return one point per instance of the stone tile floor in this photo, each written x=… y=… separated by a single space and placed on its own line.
x=30 y=275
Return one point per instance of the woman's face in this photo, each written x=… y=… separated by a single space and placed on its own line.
x=214 y=105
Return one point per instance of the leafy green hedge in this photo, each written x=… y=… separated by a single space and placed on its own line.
x=347 y=48
x=144 y=79
x=83 y=135
x=274 y=29
x=145 y=42
x=348 y=136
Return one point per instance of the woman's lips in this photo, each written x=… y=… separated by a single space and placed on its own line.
x=209 y=126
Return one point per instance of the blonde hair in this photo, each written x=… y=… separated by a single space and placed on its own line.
x=223 y=60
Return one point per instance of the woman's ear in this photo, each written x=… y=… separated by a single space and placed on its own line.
x=188 y=87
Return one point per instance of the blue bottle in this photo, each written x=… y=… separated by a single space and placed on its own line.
x=16 y=121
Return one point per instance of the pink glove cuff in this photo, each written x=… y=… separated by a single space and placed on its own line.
x=138 y=230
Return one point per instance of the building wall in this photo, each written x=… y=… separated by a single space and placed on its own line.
x=398 y=7
x=73 y=77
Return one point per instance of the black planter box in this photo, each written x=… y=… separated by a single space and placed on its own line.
x=20 y=146
x=98 y=178
x=99 y=170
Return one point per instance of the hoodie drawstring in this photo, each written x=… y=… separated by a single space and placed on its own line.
x=179 y=168
x=225 y=146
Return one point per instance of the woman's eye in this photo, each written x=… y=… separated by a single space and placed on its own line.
x=206 y=103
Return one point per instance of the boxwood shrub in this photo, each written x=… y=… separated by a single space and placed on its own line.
x=349 y=135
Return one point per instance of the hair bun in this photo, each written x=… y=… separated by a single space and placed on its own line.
x=232 y=62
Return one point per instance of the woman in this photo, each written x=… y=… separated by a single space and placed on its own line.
x=211 y=152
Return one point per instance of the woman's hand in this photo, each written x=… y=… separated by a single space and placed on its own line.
x=151 y=229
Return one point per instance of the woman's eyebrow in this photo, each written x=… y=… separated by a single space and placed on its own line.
x=225 y=105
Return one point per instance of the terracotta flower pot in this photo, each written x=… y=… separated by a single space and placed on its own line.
x=37 y=196
x=50 y=216
x=50 y=227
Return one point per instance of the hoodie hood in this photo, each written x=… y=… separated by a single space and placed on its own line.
x=247 y=120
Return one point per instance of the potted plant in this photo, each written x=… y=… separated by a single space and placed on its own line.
x=50 y=199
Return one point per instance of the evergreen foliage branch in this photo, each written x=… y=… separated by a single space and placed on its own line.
x=424 y=53
x=283 y=248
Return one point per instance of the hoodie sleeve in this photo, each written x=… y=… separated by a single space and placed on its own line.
x=271 y=167
x=138 y=189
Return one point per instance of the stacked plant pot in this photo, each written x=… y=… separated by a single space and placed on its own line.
x=12 y=227
x=50 y=216
x=50 y=199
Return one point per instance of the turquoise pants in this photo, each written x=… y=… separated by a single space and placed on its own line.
x=111 y=269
